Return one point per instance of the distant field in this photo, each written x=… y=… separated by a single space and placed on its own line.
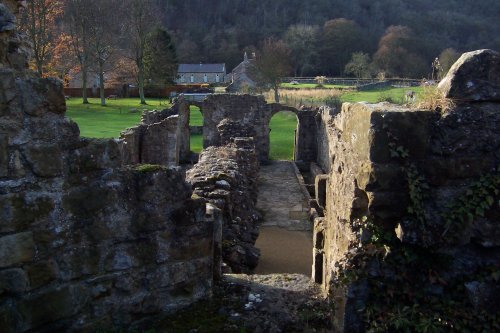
x=312 y=86
x=395 y=94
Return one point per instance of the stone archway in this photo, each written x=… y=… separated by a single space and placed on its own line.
x=253 y=112
x=305 y=134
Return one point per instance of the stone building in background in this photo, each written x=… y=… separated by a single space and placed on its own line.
x=201 y=73
x=241 y=77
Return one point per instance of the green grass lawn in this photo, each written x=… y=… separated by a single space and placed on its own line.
x=195 y=118
x=282 y=135
x=96 y=121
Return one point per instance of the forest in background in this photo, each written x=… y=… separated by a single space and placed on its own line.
x=219 y=30
x=361 y=38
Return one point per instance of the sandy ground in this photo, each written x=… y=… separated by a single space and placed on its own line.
x=284 y=251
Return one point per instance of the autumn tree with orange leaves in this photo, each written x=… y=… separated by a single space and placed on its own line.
x=38 y=22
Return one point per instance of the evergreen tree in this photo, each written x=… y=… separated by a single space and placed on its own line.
x=160 y=58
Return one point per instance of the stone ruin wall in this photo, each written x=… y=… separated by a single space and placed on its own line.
x=253 y=114
x=162 y=137
x=367 y=184
x=87 y=242
x=227 y=177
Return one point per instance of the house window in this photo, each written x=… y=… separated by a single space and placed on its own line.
x=192 y=78
x=183 y=79
x=217 y=79
x=205 y=78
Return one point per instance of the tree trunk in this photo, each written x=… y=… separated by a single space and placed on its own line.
x=140 y=78
x=101 y=84
x=276 y=94
x=39 y=66
x=84 y=85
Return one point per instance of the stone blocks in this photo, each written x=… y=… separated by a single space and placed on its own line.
x=383 y=159
x=87 y=239
x=227 y=178
x=475 y=77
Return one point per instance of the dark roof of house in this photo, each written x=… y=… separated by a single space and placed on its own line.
x=202 y=68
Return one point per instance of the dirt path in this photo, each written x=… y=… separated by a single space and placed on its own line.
x=284 y=239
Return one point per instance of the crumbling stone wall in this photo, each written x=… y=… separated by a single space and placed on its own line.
x=254 y=114
x=162 y=137
x=405 y=181
x=227 y=177
x=87 y=242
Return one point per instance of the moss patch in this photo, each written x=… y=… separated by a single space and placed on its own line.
x=144 y=168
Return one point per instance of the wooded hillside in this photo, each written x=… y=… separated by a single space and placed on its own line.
x=219 y=30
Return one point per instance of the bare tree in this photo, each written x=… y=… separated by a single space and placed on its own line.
x=272 y=64
x=142 y=20
x=103 y=33
x=78 y=18
x=37 y=21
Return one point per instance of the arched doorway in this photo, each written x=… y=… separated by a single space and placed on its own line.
x=196 y=129
x=283 y=126
x=285 y=238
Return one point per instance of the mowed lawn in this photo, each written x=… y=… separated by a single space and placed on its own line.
x=282 y=136
x=96 y=121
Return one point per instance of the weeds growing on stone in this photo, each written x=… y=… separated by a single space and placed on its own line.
x=432 y=99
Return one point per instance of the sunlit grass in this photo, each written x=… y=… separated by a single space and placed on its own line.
x=282 y=136
x=96 y=121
